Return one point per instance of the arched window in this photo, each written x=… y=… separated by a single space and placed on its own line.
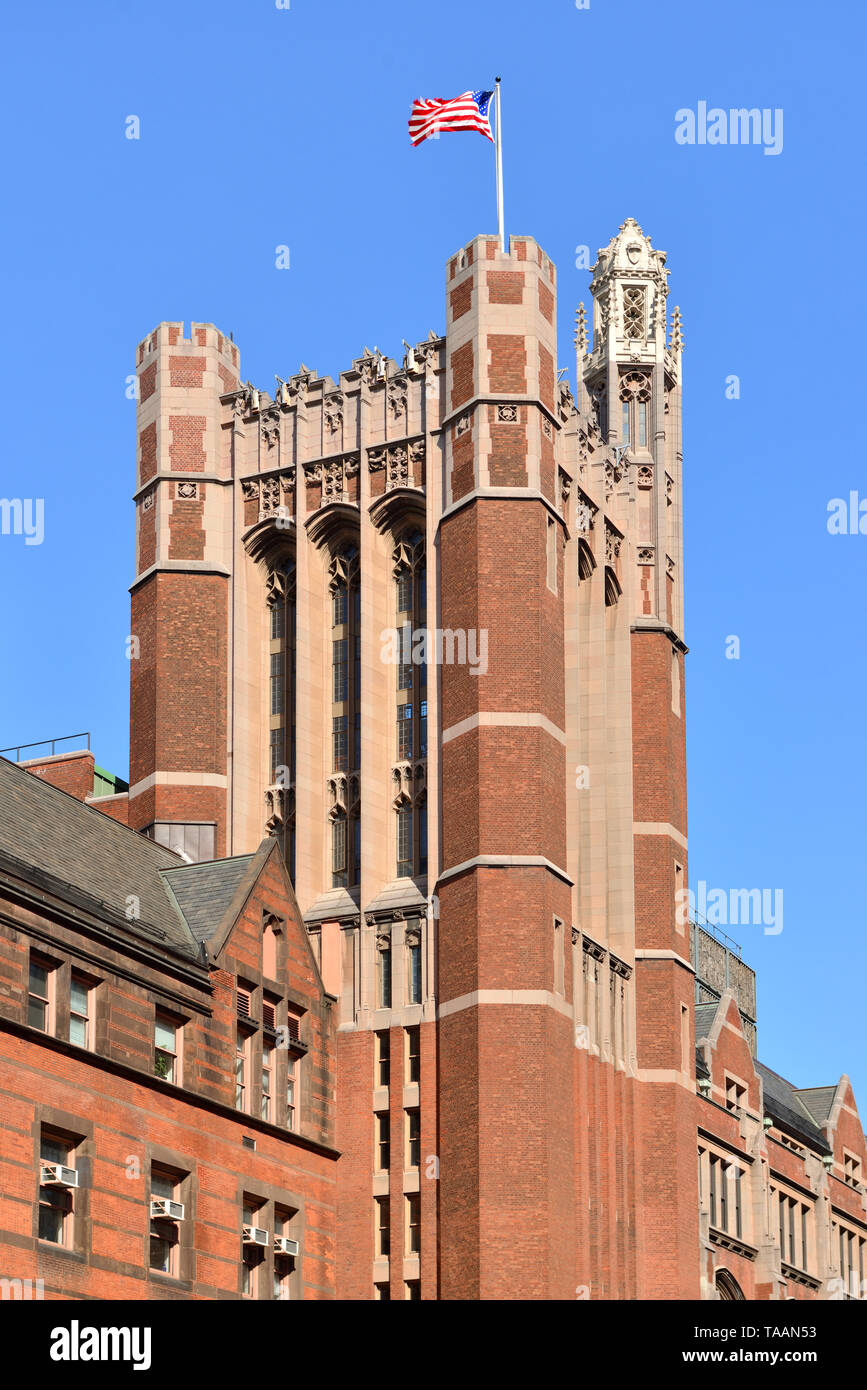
x=728 y=1287
x=634 y=406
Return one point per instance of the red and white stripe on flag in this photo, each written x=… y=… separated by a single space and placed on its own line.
x=432 y=115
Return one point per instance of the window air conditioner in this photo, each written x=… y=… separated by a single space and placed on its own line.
x=55 y=1175
x=254 y=1235
x=163 y=1209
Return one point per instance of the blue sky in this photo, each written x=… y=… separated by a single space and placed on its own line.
x=261 y=127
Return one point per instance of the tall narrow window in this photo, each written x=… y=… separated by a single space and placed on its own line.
x=383 y=1058
x=267 y=1078
x=166 y=1048
x=345 y=726
x=163 y=1229
x=281 y=598
x=413 y=1138
x=634 y=409
x=292 y=1093
x=384 y=966
x=382 y=1226
x=338 y=850
x=383 y=1142
x=79 y=1011
x=413 y=966
x=40 y=1000
x=242 y=1069
x=404 y=842
x=413 y=1056
x=252 y=1251
x=413 y=1242
x=410 y=605
x=55 y=1200
x=284 y=1260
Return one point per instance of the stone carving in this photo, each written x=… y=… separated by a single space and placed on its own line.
x=333 y=413
x=396 y=460
x=462 y=425
x=148 y=500
x=333 y=481
x=507 y=414
x=613 y=542
x=188 y=489
x=269 y=496
x=669 y=566
x=614 y=470
x=276 y=808
x=250 y=489
x=645 y=555
x=271 y=427
x=635 y=386
x=397 y=397
x=633 y=306
x=645 y=475
x=398 y=468
x=580 y=332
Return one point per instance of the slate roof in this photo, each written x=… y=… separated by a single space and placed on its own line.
x=704 y=1017
x=818 y=1100
x=52 y=838
x=787 y=1109
x=204 y=892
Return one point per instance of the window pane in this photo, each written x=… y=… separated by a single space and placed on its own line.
x=37 y=1014
x=53 y=1151
x=164 y=1035
x=51 y=1224
x=624 y=422
x=78 y=1031
x=162 y=1185
x=38 y=979
x=161 y=1254
x=78 y=993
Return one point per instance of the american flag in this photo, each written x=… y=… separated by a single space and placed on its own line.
x=469 y=111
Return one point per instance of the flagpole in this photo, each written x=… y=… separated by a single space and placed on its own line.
x=500 y=219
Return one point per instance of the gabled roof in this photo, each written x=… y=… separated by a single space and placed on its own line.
x=73 y=850
x=818 y=1100
x=704 y=1017
x=786 y=1108
x=204 y=892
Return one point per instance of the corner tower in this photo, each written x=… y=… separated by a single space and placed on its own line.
x=505 y=1035
x=632 y=378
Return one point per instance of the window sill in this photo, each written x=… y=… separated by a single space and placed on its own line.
x=46 y=1246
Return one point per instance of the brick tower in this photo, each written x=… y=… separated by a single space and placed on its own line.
x=505 y=1036
x=179 y=698
x=485 y=840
